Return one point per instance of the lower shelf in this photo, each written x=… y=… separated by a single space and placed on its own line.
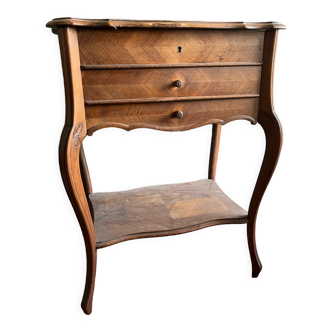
x=162 y=210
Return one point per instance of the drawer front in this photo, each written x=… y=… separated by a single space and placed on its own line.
x=134 y=84
x=153 y=46
x=170 y=116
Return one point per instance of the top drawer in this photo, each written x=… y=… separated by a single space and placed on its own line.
x=153 y=46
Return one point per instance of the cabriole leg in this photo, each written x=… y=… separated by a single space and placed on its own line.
x=69 y=151
x=273 y=133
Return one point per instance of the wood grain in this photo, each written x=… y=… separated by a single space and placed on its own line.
x=214 y=150
x=158 y=46
x=168 y=65
x=160 y=83
x=85 y=173
x=122 y=74
x=161 y=116
x=73 y=133
x=116 y=24
x=161 y=210
x=272 y=125
x=166 y=99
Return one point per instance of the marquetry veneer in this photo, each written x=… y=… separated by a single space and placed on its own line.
x=169 y=76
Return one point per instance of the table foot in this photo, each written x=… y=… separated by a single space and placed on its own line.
x=89 y=282
x=255 y=261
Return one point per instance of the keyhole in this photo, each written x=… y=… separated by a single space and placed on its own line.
x=179 y=49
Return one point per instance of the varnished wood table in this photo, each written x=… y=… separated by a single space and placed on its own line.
x=167 y=76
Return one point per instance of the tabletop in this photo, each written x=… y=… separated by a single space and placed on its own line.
x=154 y=23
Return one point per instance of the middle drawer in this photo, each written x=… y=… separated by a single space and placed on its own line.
x=123 y=85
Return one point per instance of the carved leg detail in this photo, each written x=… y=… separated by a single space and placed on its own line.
x=69 y=152
x=273 y=133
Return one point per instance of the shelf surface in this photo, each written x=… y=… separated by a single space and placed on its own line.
x=161 y=210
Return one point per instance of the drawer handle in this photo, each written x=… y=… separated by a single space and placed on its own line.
x=179 y=114
x=178 y=83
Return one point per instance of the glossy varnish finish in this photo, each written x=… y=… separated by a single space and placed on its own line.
x=167 y=76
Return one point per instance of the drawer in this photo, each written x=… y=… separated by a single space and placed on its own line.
x=170 y=116
x=117 y=85
x=153 y=46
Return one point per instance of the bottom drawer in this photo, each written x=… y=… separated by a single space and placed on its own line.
x=171 y=116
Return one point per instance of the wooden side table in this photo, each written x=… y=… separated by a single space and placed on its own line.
x=166 y=76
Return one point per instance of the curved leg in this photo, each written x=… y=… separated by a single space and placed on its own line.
x=273 y=133
x=69 y=151
x=77 y=185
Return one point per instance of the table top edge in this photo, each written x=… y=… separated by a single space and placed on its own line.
x=115 y=24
